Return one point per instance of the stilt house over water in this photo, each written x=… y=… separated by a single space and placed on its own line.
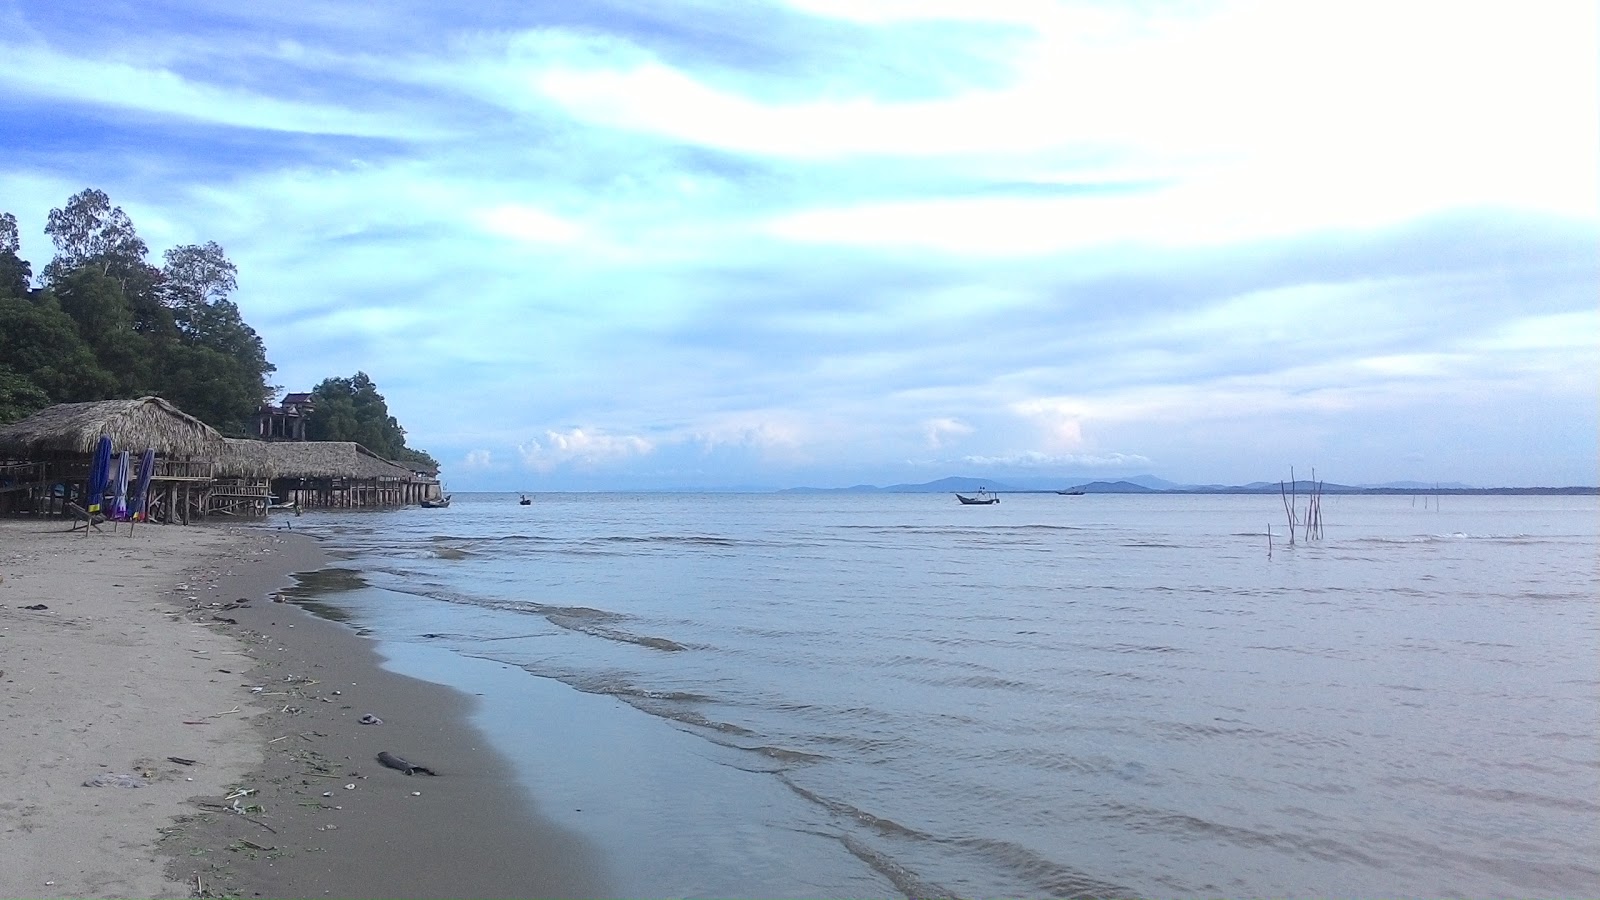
x=343 y=473
x=45 y=461
x=45 y=458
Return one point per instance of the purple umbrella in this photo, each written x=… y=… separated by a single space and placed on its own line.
x=140 y=501
x=119 y=489
x=99 y=472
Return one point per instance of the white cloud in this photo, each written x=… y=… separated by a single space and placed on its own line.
x=1033 y=459
x=941 y=431
x=478 y=459
x=526 y=223
x=585 y=449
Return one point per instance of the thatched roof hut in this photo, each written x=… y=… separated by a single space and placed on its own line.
x=330 y=459
x=75 y=429
x=244 y=459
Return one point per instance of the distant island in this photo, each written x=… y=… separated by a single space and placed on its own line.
x=1149 y=484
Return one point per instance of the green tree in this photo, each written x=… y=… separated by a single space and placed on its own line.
x=351 y=409
x=421 y=458
x=105 y=321
x=211 y=386
x=19 y=396
x=220 y=366
x=197 y=274
x=40 y=344
x=217 y=370
x=15 y=273
x=90 y=231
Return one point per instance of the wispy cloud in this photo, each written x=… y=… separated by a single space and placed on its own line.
x=810 y=240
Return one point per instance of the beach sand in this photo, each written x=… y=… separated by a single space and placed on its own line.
x=166 y=645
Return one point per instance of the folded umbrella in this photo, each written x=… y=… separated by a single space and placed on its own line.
x=139 y=503
x=99 y=473
x=119 y=489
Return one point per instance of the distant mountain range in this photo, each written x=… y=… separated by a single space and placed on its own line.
x=1149 y=484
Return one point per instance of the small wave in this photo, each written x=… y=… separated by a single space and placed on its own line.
x=704 y=540
x=902 y=878
x=985 y=682
x=881 y=825
x=1202 y=729
x=1052 y=878
x=783 y=755
x=662 y=704
x=1146 y=819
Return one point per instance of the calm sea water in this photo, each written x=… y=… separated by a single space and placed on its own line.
x=877 y=695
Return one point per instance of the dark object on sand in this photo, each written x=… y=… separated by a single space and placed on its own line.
x=410 y=768
x=83 y=519
x=36 y=606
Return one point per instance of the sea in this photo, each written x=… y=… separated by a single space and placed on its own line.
x=885 y=695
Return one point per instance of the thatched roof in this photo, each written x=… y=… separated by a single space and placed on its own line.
x=330 y=459
x=148 y=422
x=244 y=459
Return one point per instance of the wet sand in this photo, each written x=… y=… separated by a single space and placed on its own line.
x=166 y=646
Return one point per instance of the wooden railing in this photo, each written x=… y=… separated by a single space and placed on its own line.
x=234 y=487
x=183 y=469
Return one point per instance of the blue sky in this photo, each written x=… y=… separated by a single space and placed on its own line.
x=716 y=243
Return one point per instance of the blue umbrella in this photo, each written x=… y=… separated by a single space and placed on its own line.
x=119 y=489
x=99 y=473
x=140 y=501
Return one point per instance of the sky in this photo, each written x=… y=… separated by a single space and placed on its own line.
x=619 y=244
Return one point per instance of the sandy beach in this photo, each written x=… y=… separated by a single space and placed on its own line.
x=171 y=731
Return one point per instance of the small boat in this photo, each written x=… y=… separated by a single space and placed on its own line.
x=1070 y=493
x=984 y=498
x=524 y=501
x=440 y=503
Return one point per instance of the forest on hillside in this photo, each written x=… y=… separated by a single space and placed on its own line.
x=101 y=322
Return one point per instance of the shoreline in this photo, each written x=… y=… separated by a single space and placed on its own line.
x=196 y=662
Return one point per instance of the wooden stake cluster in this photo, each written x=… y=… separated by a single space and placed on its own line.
x=1290 y=494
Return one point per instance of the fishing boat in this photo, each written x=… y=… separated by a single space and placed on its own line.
x=525 y=501
x=440 y=503
x=1070 y=493
x=984 y=498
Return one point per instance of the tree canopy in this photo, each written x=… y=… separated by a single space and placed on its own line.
x=106 y=324
x=351 y=409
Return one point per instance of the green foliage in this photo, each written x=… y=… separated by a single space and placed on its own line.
x=112 y=325
x=15 y=273
x=40 y=345
x=19 y=396
x=90 y=232
x=211 y=386
x=422 y=459
x=351 y=409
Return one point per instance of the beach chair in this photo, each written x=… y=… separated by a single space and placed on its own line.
x=82 y=519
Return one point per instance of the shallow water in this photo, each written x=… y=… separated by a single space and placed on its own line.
x=804 y=695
